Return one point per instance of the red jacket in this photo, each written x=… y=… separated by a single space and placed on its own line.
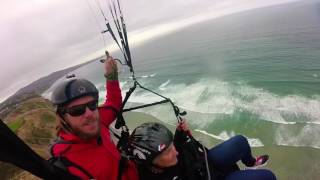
x=100 y=160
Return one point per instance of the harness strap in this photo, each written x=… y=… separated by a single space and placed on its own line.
x=122 y=165
x=123 y=139
x=58 y=141
x=64 y=163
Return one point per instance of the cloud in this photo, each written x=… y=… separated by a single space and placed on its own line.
x=38 y=37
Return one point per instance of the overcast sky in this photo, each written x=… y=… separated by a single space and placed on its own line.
x=38 y=37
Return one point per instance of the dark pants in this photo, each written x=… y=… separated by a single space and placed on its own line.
x=256 y=174
x=225 y=156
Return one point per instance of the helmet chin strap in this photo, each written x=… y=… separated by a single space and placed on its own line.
x=65 y=124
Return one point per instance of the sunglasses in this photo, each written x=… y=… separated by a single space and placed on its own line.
x=78 y=110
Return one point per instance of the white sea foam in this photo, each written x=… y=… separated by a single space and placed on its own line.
x=101 y=86
x=214 y=98
x=254 y=142
x=122 y=84
x=163 y=86
x=218 y=97
x=102 y=96
x=308 y=136
x=148 y=75
x=223 y=136
x=317 y=123
x=153 y=75
x=144 y=76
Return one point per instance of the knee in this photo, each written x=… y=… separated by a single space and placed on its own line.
x=269 y=175
x=240 y=139
x=261 y=174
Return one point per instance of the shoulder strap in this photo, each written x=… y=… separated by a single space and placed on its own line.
x=58 y=140
x=64 y=163
x=122 y=165
x=123 y=140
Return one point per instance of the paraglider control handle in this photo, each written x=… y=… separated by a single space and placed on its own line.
x=107 y=55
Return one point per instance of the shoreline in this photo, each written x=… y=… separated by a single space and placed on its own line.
x=286 y=162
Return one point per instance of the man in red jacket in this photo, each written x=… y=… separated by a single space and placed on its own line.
x=84 y=147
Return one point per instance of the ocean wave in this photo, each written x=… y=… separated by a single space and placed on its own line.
x=308 y=136
x=153 y=75
x=210 y=100
x=101 y=86
x=122 y=84
x=218 y=97
x=297 y=145
x=315 y=123
x=144 y=76
x=162 y=87
x=143 y=98
x=223 y=136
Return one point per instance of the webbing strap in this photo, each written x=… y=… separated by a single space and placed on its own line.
x=122 y=165
x=64 y=163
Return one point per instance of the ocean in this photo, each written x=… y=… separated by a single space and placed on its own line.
x=255 y=73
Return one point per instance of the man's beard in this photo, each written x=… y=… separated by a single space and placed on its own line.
x=86 y=136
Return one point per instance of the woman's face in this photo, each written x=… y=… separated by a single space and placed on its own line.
x=167 y=158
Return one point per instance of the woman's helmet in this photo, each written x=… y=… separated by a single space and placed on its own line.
x=149 y=140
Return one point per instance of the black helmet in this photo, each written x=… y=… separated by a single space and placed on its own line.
x=72 y=89
x=149 y=140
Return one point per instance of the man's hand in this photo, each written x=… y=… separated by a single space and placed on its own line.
x=182 y=125
x=111 y=69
